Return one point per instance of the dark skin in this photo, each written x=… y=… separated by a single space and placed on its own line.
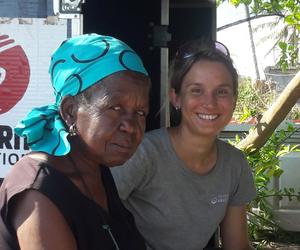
x=109 y=129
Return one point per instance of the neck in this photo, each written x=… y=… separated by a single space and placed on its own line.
x=88 y=181
x=198 y=153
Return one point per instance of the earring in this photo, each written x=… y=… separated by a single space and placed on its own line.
x=175 y=116
x=73 y=130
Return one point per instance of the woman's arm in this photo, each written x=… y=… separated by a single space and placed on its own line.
x=234 y=229
x=39 y=224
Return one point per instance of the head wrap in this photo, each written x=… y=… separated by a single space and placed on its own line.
x=77 y=64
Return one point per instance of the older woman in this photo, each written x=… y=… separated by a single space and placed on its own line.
x=62 y=195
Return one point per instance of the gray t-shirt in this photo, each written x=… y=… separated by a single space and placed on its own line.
x=176 y=208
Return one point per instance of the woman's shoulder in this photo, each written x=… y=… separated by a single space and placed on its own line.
x=226 y=148
x=154 y=140
x=156 y=134
x=25 y=166
x=150 y=149
x=231 y=156
x=19 y=178
x=21 y=175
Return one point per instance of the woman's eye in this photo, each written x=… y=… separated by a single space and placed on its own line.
x=116 y=108
x=196 y=91
x=223 y=92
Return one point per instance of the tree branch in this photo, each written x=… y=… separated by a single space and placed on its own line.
x=273 y=116
x=226 y=26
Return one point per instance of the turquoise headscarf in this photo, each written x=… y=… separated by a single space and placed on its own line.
x=77 y=64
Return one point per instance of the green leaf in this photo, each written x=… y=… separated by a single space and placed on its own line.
x=289 y=19
x=278 y=172
x=247 y=2
x=235 y=2
x=259 y=179
x=282 y=45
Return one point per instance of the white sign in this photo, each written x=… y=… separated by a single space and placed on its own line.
x=26 y=46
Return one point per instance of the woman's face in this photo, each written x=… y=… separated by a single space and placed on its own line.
x=113 y=125
x=206 y=98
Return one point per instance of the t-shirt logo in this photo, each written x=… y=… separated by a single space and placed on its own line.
x=220 y=198
x=14 y=73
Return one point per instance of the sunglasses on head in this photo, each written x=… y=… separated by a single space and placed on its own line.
x=186 y=50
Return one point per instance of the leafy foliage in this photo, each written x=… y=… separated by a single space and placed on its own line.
x=252 y=101
x=255 y=98
x=289 y=11
x=262 y=225
x=289 y=55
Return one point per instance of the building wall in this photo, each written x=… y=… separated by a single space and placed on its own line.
x=26 y=8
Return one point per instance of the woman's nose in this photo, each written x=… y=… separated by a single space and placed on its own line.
x=128 y=123
x=209 y=100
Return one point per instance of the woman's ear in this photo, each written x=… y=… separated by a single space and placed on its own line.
x=68 y=110
x=174 y=98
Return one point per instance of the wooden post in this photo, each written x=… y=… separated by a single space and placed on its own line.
x=273 y=116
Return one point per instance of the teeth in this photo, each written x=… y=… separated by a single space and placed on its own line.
x=207 y=117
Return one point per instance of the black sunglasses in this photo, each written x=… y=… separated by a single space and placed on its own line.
x=185 y=52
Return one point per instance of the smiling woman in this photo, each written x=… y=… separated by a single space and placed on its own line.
x=208 y=106
x=183 y=182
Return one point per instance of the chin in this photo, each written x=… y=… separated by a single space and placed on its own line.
x=117 y=157
x=116 y=162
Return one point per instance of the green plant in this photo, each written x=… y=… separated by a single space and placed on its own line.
x=252 y=100
x=285 y=42
x=289 y=56
x=255 y=98
x=262 y=225
x=288 y=12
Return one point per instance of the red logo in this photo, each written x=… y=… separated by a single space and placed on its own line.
x=14 y=73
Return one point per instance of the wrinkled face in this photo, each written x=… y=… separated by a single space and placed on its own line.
x=113 y=125
x=206 y=98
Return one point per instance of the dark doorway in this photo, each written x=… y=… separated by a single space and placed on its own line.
x=133 y=20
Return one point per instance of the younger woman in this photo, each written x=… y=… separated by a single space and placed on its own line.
x=183 y=182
